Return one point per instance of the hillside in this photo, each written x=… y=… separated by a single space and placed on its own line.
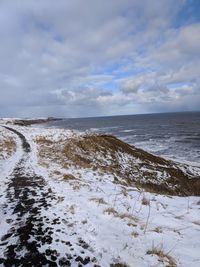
x=79 y=199
x=130 y=166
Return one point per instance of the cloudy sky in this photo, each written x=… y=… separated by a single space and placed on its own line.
x=75 y=58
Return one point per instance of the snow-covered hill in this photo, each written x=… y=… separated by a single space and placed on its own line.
x=121 y=200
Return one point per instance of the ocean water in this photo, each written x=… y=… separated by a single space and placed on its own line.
x=172 y=135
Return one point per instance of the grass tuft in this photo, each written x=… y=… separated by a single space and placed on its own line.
x=163 y=257
x=69 y=177
x=158 y=230
x=99 y=201
x=145 y=201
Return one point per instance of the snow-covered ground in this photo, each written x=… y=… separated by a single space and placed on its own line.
x=121 y=224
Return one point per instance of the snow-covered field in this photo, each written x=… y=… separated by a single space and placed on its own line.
x=122 y=224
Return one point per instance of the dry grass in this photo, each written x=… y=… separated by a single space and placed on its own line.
x=99 y=201
x=57 y=173
x=44 y=140
x=122 y=216
x=135 y=234
x=7 y=147
x=72 y=209
x=69 y=177
x=158 y=230
x=60 y=199
x=127 y=216
x=163 y=257
x=110 y=211
x=145 y=201
x=132 y=224
x=103 y=154
x=77 y=184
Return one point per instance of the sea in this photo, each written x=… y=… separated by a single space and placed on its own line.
x=174 y=136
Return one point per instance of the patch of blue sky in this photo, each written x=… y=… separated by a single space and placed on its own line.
x=108 y=69
x=58 y=38
x=111 y=86
x=44 y=26
x=179 y=85
x=189 y=13
x=121 y=70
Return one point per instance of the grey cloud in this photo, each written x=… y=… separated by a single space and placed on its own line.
x=179 y=47
x=133 y=85
x=50 y=52
x=82 y=96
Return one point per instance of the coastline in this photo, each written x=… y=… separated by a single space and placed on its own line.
x=96 y=194
x=29 y=122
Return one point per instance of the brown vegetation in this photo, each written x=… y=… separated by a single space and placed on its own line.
x=162 y=256
x=123 y=216
x=99 y=201
x=129 y=165
x=7 y=147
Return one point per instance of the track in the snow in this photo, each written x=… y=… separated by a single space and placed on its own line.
x=27 y=194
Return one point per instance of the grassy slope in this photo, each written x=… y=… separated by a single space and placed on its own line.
x=128 y=164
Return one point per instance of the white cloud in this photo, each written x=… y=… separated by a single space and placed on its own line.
x=180 y=46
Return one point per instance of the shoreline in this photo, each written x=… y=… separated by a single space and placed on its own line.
x=96 y=201
x=29 y=122
x=158 y=174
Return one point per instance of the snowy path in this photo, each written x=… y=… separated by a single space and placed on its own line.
x=28 y=239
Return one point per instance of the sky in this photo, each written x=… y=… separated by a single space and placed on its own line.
x=80 y=58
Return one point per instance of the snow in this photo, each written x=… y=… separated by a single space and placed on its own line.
x=7 y=163
x=112 y=218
